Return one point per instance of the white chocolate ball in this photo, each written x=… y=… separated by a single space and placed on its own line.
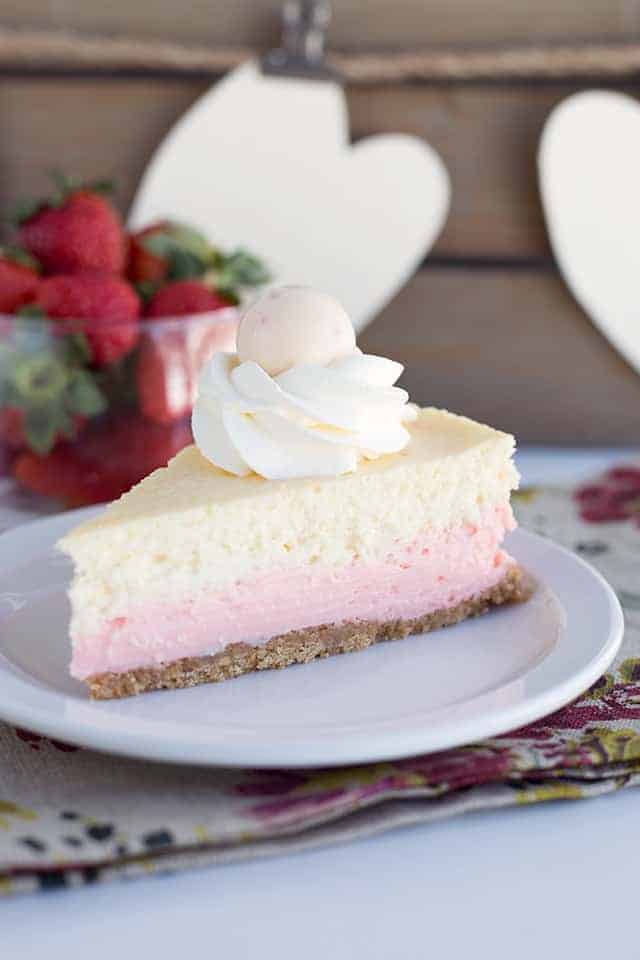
x=290 y=325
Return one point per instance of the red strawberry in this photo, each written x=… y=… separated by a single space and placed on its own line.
x=169 y=361
x=18 y=279
x=171 y=357
x=167 y=250
x=78 y=229
x=106 y=463
x=108 y=304
x=48 y=394
x=184 y=298
x=144 y=266
x=12 y=427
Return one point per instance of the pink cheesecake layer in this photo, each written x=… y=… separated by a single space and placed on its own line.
x=435 y=571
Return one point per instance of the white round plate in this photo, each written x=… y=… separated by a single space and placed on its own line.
x=478 y=679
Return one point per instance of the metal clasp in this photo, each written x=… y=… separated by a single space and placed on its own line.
x=301 y=52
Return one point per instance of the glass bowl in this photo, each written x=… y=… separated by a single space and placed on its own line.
x=89 y=408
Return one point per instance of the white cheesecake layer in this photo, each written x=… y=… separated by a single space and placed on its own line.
x=191 y=528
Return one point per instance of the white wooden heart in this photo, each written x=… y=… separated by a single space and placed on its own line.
x=589 y=170
x=266 y=163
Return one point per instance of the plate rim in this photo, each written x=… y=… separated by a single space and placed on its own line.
x=375 y=744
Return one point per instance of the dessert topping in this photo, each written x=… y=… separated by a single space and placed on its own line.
x=299 y=399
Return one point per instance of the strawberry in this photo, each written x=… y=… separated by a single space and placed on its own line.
x=12 y=427
x=107 y=462
x=47 y=393
x=19 y=279
x=163 y=381
x=144 y=266
x=169 y=361
x=15 y=429
x=167 y=250
x=107 y=304
x=77 y=229
x=184 y=298
x=171 y=357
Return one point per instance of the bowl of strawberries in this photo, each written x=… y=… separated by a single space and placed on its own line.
x=102 y=336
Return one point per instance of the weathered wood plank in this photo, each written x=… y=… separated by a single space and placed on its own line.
x=55 y=52
x=493 y=343
x=92 y=128
x=357 y=24
x=513 y=349
x=487 y=136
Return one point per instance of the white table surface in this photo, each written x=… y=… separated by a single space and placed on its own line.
x=554 y=881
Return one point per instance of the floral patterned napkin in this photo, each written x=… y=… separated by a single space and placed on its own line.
x=69 y=816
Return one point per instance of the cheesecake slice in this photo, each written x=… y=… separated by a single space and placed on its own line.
x=200 y=575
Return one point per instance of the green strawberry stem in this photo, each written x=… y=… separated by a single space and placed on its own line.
x=189 y=255
x=46 y=379
x=17 y=255
x=187 y=251
x=146 y=289
x=235 y=271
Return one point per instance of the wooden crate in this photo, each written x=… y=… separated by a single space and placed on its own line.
x=487 y=326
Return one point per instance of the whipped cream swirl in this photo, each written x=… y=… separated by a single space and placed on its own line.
x=309 y=420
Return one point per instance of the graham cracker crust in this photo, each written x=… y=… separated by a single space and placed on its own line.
x=299 y=646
